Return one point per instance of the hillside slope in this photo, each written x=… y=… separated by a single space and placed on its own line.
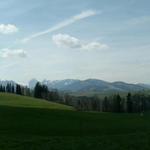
x=24 y=101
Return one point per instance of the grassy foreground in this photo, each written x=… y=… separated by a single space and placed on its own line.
x=34 y=124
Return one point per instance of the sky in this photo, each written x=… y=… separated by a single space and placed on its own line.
x=81 y=39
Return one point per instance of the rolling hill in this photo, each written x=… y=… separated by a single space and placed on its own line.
x=13 y=100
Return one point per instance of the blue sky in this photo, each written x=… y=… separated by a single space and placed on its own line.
x=59 y=39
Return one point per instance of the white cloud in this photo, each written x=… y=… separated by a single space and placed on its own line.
x=64 y=23
x=67 y=41
x=12 y=53
x=94 y=46
x=8 y=29
x=64 y=40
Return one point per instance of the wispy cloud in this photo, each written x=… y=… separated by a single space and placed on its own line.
x=64 y=23
x=11 y=53
x=67 y=41
x=8 y=29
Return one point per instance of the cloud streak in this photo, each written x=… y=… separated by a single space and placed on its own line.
x=62 y=24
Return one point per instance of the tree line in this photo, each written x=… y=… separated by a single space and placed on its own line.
x=131 y=103
x=11 y=88
x=40 y=91
x=16 y=89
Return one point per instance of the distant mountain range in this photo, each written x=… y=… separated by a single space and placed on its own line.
x=90 y=85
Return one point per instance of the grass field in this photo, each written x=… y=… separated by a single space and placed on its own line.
x=34 y=124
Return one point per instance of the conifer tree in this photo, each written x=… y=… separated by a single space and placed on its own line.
x=129 y=103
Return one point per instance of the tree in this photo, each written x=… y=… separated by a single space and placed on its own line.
x=53 y=96
x=116 y=103
x=105 y=104
x=37 y=90
x=4 y=90
x=12 y=89
x=27 y=91
x=18 y=89
x=129 y=103
x=67 y=99
x=8 y=88
x=44 y=92
x=1 y=88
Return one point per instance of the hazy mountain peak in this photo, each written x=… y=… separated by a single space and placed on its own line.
x=89 y=85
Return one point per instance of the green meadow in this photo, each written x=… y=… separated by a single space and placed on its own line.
x=34 y=124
